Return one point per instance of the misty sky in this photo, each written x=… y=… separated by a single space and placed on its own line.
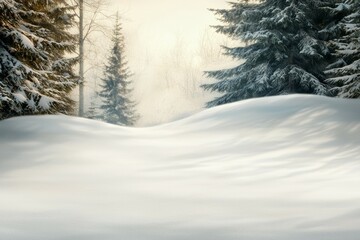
x=163 y=38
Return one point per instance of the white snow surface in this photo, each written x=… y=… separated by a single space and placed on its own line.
x=279 y=168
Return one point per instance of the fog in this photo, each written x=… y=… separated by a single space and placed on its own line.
x=168 y=46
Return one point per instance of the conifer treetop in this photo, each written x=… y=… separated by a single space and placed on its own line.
x=279 y=45
x=115 y=88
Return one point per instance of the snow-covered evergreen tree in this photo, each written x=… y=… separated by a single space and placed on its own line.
x=283 y=54
x=116 y=91
x=35 y=75
x=92 y=112
x=344 y=72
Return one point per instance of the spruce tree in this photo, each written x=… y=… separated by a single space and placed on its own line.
x=344 y=72
x=283 y=54
x=35 y=75
x=115 y=93
x=92 y=112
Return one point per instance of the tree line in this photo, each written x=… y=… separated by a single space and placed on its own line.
x=286 y=46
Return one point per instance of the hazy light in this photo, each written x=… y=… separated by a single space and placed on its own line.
x=163 y=41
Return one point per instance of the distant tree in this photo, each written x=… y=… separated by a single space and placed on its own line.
x=283 y=54
x=115 y=93
x=36 y=77
x=344 y=72
x=92 y=112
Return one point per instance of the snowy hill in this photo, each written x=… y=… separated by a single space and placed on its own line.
x=281 y=168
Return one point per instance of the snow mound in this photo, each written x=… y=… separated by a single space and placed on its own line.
x=280 y=168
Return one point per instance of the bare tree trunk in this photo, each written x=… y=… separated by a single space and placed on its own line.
x=81 y=60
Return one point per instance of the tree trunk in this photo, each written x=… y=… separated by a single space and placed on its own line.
x=81 y=60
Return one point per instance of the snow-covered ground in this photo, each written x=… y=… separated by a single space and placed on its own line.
x=281 y=168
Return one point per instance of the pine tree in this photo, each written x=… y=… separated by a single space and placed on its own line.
x=344 y=72
x=35 y=75
x=283 y=54
x=115 y=93
x=92 y=112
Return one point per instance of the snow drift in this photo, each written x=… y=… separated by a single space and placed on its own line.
x=280 y=168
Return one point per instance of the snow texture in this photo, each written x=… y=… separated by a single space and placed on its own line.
x=276 y=168
x=344 y=73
